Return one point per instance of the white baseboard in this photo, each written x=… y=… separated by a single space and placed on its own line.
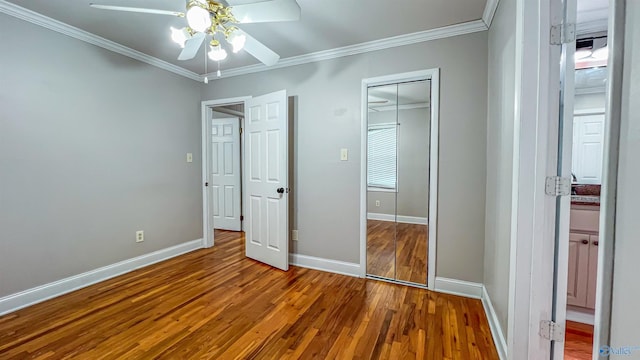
x=494 y=325
x=459 y=287
x=48 y=291
x=400 y=218
x=334 y=266
x=580 y=316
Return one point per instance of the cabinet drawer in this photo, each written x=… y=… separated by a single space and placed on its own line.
x=585 y=220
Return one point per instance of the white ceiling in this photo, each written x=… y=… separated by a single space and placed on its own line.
x=324 y=24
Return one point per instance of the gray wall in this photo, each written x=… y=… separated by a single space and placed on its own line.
x=626 y=287
x=500 y=135
x=92 y=148
x=327 y=118
x=413 y=164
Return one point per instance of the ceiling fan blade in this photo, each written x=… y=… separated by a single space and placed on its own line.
x=191 y=47
x=259 y=50
x=267 y=11
x=138 y=10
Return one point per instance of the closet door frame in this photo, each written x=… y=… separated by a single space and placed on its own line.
x=434 y=76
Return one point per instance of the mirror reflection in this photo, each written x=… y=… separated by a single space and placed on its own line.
x=398 y=181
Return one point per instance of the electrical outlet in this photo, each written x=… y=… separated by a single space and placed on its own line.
x=189 y=157
x=139 y=236
x=294 y=235
x=378 y=203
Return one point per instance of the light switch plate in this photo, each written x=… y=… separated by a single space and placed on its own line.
x=344 y=154
x=189 y=157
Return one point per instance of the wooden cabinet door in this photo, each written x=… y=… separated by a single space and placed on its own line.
x=593 y=271
x=577 y=280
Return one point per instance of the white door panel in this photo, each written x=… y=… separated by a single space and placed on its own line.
x=225 y=174
x=266 y=165
x=588 y=147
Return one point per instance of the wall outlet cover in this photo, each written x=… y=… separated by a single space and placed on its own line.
x=294 y=235
x=139 y=236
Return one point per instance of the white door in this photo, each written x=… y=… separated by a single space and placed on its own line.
x=266 y=170
x=588 y=147
x=225 y=174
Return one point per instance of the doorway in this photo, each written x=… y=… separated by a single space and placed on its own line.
x=399 y=177
x=587 y=172
x=245 y=168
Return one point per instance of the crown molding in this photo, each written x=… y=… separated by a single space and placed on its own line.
x=489 y=12
x=590 y=27
x=71 y=31
x=381 y=44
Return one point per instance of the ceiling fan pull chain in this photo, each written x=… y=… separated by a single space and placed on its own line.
x=206 y=73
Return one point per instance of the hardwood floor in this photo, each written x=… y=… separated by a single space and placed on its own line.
x=578 y=341
x=409 y=251
x=217 y=304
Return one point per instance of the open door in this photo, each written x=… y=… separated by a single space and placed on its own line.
x=266 y=170
x=225 y=174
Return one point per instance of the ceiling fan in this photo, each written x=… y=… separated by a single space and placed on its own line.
x=210 y=19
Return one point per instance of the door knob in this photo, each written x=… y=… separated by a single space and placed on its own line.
x=595 y=243
x=280 y=190
x=585 y=242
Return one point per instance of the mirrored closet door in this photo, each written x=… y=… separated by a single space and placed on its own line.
x=398 y=153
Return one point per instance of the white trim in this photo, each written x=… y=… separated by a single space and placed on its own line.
x=615 y=95
x=594 y=111
x=48 y=291
x=458 y=287
x=489 y=12
x=494 y=325
x=591 y=27
x=208 y=239
x=71 y=31
x=399 y=218
x=591 y=90
x=533 y=213
x=580 y=316
x=434 y=76
x=422 y=105
x=375 y=45
x=329 y=265
x=379 y=189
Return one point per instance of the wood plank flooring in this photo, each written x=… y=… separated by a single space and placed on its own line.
x=578 y=341
x=217 y=304
x=409 y=252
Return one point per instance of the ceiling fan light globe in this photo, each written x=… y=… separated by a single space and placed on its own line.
x=237 y=41
x=198 y=18
x=217 y=53
x=180 y=36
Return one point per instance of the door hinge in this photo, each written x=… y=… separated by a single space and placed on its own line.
x=557 y=186
x=241 y=217
x=562 y=34
x=240 y=130
x=551 y=331
x=206 y=184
